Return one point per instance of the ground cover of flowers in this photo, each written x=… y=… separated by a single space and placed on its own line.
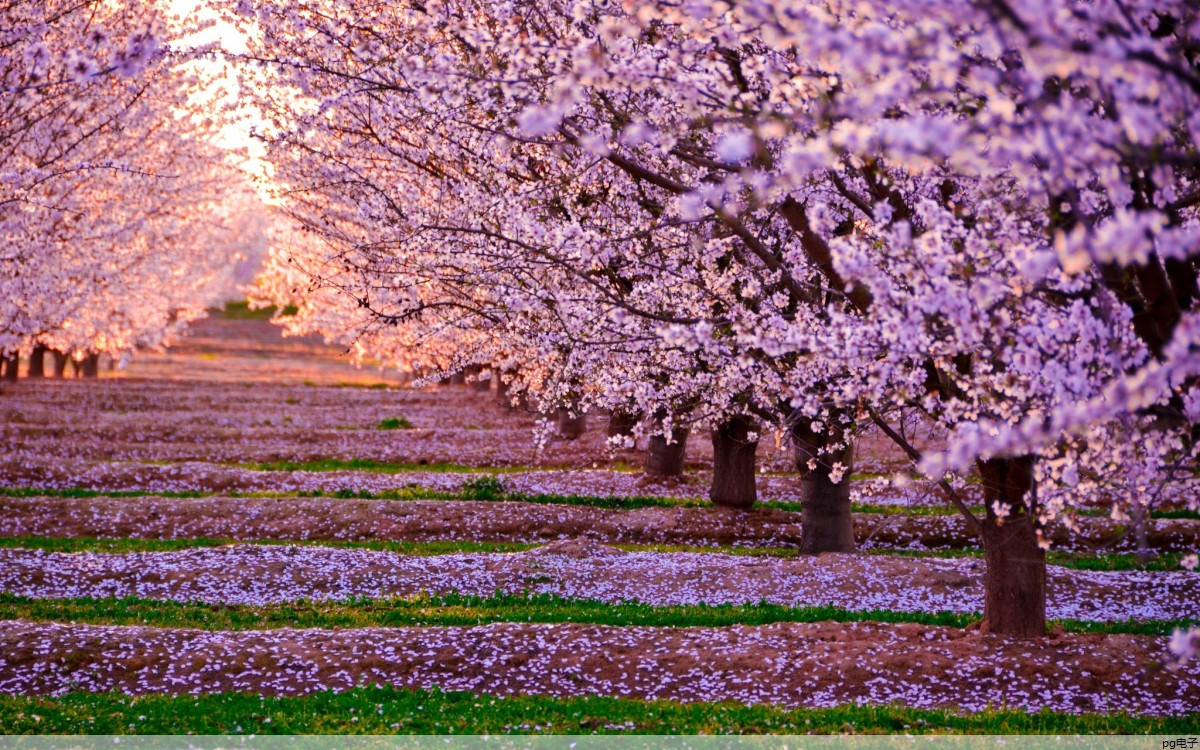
x=237 y=410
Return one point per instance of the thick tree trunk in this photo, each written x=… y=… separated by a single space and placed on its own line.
x=826 y=523
x=1015 y=581
x=60 y=364
x=733 y=483
x=37 y=362
x=90 y=366
x=621 y=424
x=666 y=459
x=572 y=423
x=10 y=364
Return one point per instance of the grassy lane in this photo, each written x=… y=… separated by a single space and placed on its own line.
x=389 y=710
x=1110 y=561
x=490 y=488
x=455 y=610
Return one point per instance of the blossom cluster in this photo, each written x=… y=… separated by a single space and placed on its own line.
x=814 y=216
x=117 y=210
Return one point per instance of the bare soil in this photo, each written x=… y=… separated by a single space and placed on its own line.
x=822 y=664
x=318 y=519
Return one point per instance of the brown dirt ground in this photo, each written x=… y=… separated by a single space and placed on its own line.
x=316 y=519
x=790 y=664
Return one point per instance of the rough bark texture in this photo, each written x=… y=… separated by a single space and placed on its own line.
x=1015 y=581
x=621 y=424
x=826 y=520
x=60 y=364
x=37 y=362
x=733 y=484
x=10 y=364
x=571 y=423
x=90 y=366
x=666 y=459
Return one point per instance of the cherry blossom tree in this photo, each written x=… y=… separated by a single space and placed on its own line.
x=114 y=198
x=804 y=218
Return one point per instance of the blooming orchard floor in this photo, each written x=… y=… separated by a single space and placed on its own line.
x=215 y=415
x=821 y=664
x=305 y=518
x=252 y=574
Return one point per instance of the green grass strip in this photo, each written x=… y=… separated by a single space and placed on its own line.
x=457 y=610
x=128 y=545
x=386 y=710
x=488 y=488
x=384 y=467
x=1109 y=561
x=481 y=488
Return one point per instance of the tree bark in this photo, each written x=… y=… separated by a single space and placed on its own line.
x=90 y=366
x=1015 y=580
x=37 y=362
x=733 y=483
x=826 y=522
x=503 y=391
x=621 y=424
x=11 y=362
x=483 y=383
x=60 y=363
x=666 y=459
x=571 y=423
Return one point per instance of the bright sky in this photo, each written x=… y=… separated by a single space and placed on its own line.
x=236 y=135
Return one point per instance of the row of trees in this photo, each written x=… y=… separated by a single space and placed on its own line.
x=756 y=216
x=117 y=210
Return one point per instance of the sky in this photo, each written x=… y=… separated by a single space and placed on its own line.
x=234 y=135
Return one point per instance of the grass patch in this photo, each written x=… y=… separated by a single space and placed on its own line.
x=394 y=423
x=471 y=490
x=241 y=311
x=378 y=467
x=1112 y=561
x=384 y=710
x=128 y=545
x=484 y=488
x=457 y=610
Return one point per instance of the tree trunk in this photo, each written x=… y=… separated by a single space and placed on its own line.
x=483 y=380
x=571 y=423
x=733 y=483
x=621 y=424
x=60 y=364
x=1140 y=519
x=826 y=523
x=37 y=362
x=1014 y=596
x=90 y=367
x=11 y=362
x=503 y=391
x=666 y=459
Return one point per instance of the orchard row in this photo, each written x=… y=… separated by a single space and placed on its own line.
x=769 y=220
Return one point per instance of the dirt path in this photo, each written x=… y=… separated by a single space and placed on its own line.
x=822 y=664
x=299 y=518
